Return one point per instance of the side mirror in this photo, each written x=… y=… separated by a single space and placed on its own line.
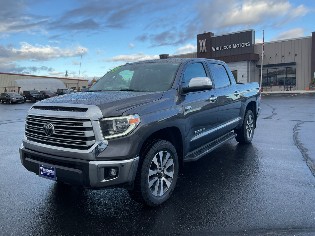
x=198 y=84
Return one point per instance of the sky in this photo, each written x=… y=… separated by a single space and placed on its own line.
x=86 y=38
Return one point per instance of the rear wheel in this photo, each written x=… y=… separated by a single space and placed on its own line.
x=245 y=134
x=157 y=176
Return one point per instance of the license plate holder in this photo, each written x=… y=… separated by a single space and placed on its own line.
x=48 y=172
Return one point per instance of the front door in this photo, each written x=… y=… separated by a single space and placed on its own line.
x=199 y=109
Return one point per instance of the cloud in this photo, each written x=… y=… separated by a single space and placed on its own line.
x=13 y=68
x=86 y=24
x=293 y=33
x=86 y=16
x=102 y=15
x=188 y=48
x=9 y=57
x=14 y=17
x=219 y=17
x=132 y=58
x=38 y=52
x=131 y=45
x=247 y=13
x=172 y=36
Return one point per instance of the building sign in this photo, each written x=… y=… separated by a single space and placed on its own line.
x=202 y=45
x=231 y=46
x=239 y=43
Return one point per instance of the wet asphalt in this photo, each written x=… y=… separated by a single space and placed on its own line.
x=266 y=188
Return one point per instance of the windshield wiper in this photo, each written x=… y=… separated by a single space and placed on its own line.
x=98 y=90
x=128 y=90
x=131 y=90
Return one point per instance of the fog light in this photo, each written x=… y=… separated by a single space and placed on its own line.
x=113 y=172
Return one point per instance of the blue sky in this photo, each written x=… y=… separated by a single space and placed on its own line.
x=51 y=37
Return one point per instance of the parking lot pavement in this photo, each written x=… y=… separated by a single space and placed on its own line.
x=305 y=140
x=266 y=188
x=300 y=110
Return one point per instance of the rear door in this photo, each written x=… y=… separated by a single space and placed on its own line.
x=228 y=98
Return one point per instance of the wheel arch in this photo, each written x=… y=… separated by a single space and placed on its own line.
x=170 y=134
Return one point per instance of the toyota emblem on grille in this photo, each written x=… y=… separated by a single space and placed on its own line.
x=49 y=129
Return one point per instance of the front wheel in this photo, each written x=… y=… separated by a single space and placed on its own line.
x=157 y=176
x=245 y=134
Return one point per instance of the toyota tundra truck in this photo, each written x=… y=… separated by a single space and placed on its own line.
x=138 y=124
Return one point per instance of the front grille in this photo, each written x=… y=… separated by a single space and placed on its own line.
x=68 y=132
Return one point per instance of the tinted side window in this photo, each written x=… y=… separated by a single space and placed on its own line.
x=219 y=76
x=193 y=70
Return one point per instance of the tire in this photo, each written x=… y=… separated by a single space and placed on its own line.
x=245 y=134
x=157 y=175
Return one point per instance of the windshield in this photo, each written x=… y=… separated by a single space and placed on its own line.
x=139 y=77
x=34 y=92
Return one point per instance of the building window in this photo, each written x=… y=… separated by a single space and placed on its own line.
x=282 y=76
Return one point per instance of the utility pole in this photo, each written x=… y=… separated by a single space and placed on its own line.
x=262 y=60
x=80 y=62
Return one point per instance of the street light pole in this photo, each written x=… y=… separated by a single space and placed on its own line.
x=262 y=60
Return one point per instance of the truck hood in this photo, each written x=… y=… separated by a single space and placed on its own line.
x=111 y=103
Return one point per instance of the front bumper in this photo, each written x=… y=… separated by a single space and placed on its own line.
x=87 y=173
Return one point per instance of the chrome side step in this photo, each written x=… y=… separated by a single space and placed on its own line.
x=209 y=147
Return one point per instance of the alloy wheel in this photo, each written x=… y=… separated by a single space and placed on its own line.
x=161 y=173
x=249 y=126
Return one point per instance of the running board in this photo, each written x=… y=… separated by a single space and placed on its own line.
x=209 y=147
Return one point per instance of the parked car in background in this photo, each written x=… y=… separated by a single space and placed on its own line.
x=64 y=91
x=48 y=93
x=32 y=95
x=11 y=97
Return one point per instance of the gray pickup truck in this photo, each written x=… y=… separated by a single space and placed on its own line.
x=138 y=124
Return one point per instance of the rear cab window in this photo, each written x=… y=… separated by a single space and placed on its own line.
x=219 y=76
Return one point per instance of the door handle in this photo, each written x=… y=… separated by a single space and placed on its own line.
x=237 y=93
x=213 y=99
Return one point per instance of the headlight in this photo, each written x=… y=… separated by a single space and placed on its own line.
x=119 y=126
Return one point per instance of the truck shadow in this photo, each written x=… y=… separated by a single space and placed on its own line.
x=207 y=189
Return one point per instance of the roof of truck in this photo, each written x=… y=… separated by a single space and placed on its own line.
x=173 y=60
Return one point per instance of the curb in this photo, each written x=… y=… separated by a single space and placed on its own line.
x=292 y=93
